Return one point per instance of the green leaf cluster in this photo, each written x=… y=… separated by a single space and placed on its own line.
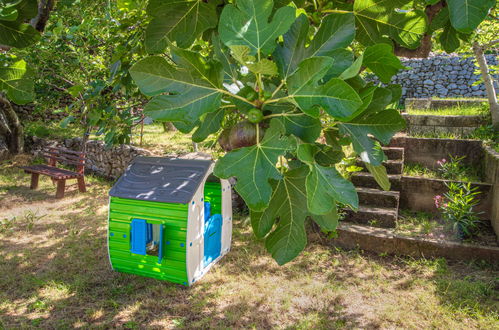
x=14 y=29
x=305 y=82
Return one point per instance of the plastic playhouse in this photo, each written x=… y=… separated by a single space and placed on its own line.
x=169 y=218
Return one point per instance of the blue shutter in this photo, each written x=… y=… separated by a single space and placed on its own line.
x=139 y=236
x=212 y=239
x=160 y=251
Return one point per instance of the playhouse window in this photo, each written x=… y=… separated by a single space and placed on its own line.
x=145 y=237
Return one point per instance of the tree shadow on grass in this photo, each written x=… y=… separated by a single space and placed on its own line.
x=56 y=274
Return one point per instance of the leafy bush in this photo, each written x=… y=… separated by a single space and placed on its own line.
x=457 y=206
x=452 y=169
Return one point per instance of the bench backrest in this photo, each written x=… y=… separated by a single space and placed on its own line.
x=65 y=156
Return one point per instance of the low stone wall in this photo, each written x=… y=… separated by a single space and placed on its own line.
x=106 y=162
x=416 y=194
x=429 y=103
x=491 y=169
x=440 y=75
x=427 y=151
x=434 y=124
x=380 y=240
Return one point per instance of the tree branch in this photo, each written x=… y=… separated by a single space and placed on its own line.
x=40 y=20
x=424 y=49
x=490 y=44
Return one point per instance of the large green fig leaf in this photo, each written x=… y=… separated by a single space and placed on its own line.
x=380 y=175
x=336 y=97
x=382 y=125
x=336 y=31
x=295 y=122
x=247 y=24
x=154 y=75
x=288 y=205
x=381 y=60
x=210 y=124
x=194 y=88
x=16 y=79
x=466 y=15
x=221 y=54
x=325 y=185
x=448 y=39
x=376 y=19
x=17 y=34
x=186 y=107
x=254 y=166
x=178 y=20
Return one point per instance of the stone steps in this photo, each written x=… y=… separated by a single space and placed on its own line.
x=394 y=153
x=392 y=166
x=377 y=197
x=373 y=216
x=378 y=208
x=366 y=180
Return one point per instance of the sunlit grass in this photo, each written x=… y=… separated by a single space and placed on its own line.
x=452 y=111
x=466 y=173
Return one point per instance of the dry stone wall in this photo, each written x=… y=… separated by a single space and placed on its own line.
x=440 y=76
x=107 y=162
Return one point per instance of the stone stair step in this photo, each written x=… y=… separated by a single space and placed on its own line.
x=374 y=216
x=377 y=197
x=366 y=180
x=392 y=166
x=394 y=153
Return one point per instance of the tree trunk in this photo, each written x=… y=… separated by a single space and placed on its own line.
x=169 y=127
x=40 y=20
x=488 y=82
x=424 y=49
x=10 y=127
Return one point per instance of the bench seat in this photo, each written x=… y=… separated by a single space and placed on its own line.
x=59 y=175
x=51 y=171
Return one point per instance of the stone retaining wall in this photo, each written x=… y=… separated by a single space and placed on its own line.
x=427 y=151
x=380 y=240
x=417 y=193
x=429 y=103
x=106 y=162
x=441 y=76
x=492 y=175
x=434 y=124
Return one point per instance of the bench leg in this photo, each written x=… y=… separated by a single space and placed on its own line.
x=81 y=184
x=34 y=180
x=61 y=186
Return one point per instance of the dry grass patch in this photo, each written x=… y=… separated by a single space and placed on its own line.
x=55 y=273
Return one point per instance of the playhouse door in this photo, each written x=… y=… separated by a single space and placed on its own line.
x=212 y=239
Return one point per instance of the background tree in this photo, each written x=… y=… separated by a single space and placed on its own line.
x=16 y=82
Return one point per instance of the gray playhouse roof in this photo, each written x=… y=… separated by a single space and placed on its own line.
x=168 y=180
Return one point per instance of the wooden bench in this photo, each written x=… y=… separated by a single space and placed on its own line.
x=59 y=175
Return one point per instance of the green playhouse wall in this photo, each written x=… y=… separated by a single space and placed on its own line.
x=173 y=216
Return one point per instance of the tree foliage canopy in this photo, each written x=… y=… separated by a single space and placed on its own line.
x=279 y=81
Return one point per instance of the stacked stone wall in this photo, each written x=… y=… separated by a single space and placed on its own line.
x=440 y=76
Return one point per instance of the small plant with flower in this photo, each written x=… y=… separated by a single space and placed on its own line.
x=457 y=207
x=452 y=169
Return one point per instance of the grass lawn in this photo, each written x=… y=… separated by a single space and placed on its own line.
x=55 y=273
x=465 y=173
x=453 y=111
